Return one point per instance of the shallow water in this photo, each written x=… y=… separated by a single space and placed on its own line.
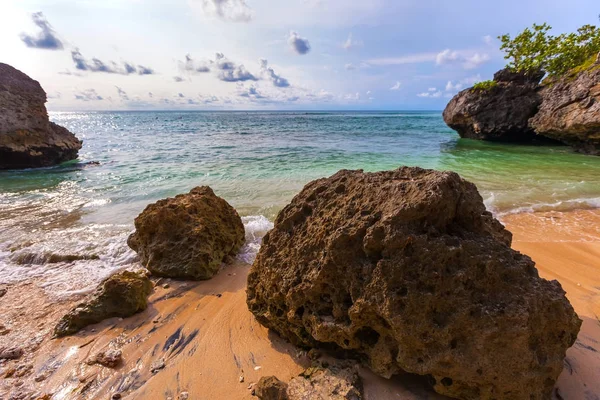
x=257 y=161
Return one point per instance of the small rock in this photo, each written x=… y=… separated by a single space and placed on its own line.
x=116 y=396
x=109 y=358
x=314 y=354
x=3 y=291
x=257 y=367
x=218 y=295
x=157 y=365
x=11 y=353
x=271 y=388
x=166 y=286
x=183 y=396
x=41 y=377
x=241 y=378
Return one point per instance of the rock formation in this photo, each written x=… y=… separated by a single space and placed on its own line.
x=570 y=110
x=518 y=108
x=407 y=270
x=189 y=236
x=501 y=113
x=121 y=295
x=27 y=137
x=336 y=382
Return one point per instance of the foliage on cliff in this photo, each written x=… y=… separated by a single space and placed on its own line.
x=536 y=49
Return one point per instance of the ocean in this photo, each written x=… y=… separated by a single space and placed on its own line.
x=66 y=227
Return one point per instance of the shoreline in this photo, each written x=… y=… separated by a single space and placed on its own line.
x=208 y=339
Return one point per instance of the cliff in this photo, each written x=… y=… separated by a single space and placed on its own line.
x=27 y=137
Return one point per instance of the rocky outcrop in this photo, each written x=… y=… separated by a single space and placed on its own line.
x=189 y=236
x=570 y=110
x=27 y=137
x=336 y=382
x=500 y=113
x=407 y=270
x=121 y=295
x=517 y=108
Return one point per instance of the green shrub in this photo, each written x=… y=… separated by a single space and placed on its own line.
x=485 y=85
x=536 y=49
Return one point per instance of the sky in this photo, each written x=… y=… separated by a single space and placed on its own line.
x=265 y=54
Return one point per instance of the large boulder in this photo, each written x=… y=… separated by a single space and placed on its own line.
x=121 y=295
x=500 y=113
x=189 y=236
x=570 y=110
x=407 y=270
x=27 y=137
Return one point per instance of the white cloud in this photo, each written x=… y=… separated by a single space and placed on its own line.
x=434 y=95
x=449 y=57
x=396 y=86
x=487 y=39
x=401 y=60
x=432 y=89
x=227 y=10
x=270 y=74
x=450 y=87
x=298 y=44
x=350 y=67
x=476 y=60
x=465 y=82
x=350 y=43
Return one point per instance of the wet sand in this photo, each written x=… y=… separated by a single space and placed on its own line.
x=208 y=339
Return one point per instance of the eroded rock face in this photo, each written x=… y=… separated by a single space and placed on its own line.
x=570 y=111
x=499 y=114
x=408 y=270
x=336 y=382
x=27 y=138
x=189 y=236
x=121 y=295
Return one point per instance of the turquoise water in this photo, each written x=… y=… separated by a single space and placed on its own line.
x=257 y=161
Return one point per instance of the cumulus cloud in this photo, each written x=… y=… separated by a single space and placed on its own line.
x=298 y=44
x=430 y=94
x=453 y=87
x=351 y=43
x=190 y=66
x=238 y=74
x=270 y=74
x=88 y=95
x=476 y=60
x=178 y=79
x=448 y=57
x=46 y=39
x=111 y=67
x=251 y=93
x=396 y=86
x=227 y=10
x=122 y=94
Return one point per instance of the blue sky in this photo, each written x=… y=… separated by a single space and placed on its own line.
x=263 y=54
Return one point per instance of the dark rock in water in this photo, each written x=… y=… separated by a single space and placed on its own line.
x=407 y=270
x=570 y=110
x=501 y=113
x=121 y=295
x=337 y=382
x=189 y=236
x=27 y=137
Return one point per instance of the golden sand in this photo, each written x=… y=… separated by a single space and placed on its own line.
x=213 y=348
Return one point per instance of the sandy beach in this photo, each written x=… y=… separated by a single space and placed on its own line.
x=200 y=338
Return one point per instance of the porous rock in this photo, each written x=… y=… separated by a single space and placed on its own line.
x=27 y=137
x=189 y=236
x=121 y=295
x=336 y=382
x=408 y=270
